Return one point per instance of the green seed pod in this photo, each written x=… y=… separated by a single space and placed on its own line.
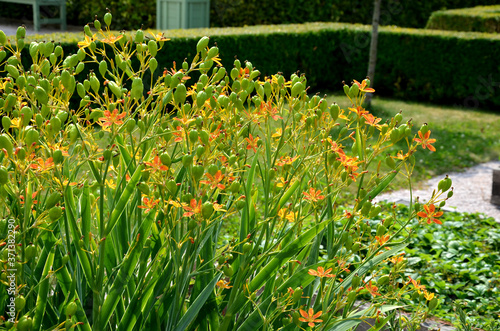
x=4 y=176
x=348 y=243
x=107 y=19
x=383 y=280
x=187 y=161
x=212 y=169
x=395 y=135
x=389 y=221
x=212 y=52
x=6 y=144
x=234 y=187
x=297 y=294
x=56 y=124
x=153 y=64
x=55 y=213
x=381 y=230
x=139 y=36
x=21 y=153
x=12 y=70
x=445 y=184
x=6 y=123
x=165 y=159
x=353 y=91
x=3 y=38
x=137 y=89
x=153 y=47
x=356 y=280
x=424 y=129
x=228 y=270
x=202 y=44
x=197 y=172
x=355 y=247
x=71 y=309
x=30 y=252
x=31 y=137
x=57 y=156
x=97 y=24
x=117 y=91
x=433 y=303
x=351 y=296
x=25 y=323
x=207 y=209
x=297 y=89
x=52 y=200
x=390 y=162
x=87 y=30
x=398 y=118
x=180 y=94
x=450 y=194
x=200 y=150
x=366 y=208
x=41 y=95
x=204 y=136
x=172 y=187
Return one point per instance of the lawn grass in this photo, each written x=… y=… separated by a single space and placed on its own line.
x=465 y=137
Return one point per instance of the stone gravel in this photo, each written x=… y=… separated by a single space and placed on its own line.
x=471 y=191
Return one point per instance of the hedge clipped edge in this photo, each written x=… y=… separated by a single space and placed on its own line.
x=74 y=37
x=477 y=19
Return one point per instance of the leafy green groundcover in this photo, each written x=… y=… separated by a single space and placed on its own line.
x=477 y=19
x=459 y=261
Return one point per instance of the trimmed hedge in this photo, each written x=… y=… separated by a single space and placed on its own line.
x=131 y=14
x=426 y=65
x=393 y=12
x=478 y=19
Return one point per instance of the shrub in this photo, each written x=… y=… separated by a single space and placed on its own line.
x=112 y=209
x=477 y=19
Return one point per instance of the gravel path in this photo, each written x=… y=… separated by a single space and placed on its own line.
x=472 y=191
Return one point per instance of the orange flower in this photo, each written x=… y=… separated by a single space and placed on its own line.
x=425 y=141
x=371 y=120
x=286 y=160
x=321 y=272
x=111 y=118
x=252 y=142
x=430 y=214
x=397 y=259
x=179 y=134
x=267 y=110
x=313 y=195
x=148 y=204
x=310 y=317
x=214 y=181
x=111 y=39
x=382 y=239
x=193 y=208
x=362 y=86
x=42 y=165
x=223 y=284
x=428 y=295
x=244 y=72
x=360 y=111
x=86 y=43
x=417 y=284
x=372 y=289
x=156 y=165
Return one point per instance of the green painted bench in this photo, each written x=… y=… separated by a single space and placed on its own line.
x=37 y=20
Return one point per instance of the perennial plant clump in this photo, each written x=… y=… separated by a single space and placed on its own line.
x=115 y=189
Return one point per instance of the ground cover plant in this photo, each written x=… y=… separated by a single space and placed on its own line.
x=458 y=261
x=112 y=206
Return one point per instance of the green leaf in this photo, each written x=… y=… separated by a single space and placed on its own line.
x=193 y=310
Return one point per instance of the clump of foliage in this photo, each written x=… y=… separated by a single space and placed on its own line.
x=112 y=206
x=459 y=261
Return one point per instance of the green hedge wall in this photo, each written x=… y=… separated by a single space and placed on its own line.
x=131 y=14
x=478 y=19
x=426 y=65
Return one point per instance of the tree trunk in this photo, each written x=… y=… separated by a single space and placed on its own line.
x=373 y=47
